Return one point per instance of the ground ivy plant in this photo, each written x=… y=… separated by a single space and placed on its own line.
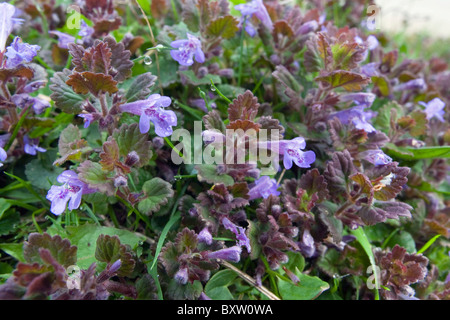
x=223 y=149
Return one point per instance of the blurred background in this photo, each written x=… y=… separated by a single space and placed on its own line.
x=430 y=17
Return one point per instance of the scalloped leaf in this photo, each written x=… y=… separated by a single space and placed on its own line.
x=129 y=139
x=63 y=95
x=208 y=173
x=94 y=83
x=244 y=107
x=225 y=27
x=109 y=250
x=156 y=193
x=71 y=146
x=348 y=80
x=61 y=249
x=93 y=174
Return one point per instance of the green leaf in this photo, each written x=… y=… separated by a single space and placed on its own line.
x=407 y=153
x=109 y=250
x=8 y=220
x=4 y=205
x=63 y=95
x=15 y=250
x=307 y=289
x=364 y=242
x=225 y=27
x=93 y=174
x=35 y=170
x=403 y=239
x=139 y=88
x=129 y=138
x=85 y=237
x=217 y=286
x=188 y=291
x=208 y=173
x=206 y=80
x=71 y=146
x=156 y=193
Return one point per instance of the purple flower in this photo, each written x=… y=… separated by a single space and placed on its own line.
x=416 y=84
x=307 y=245
x=434 y=108
x=263 y=188
x=254 y=8
x=307 y=27
x=232 y=254
x=182 y=276
x=370 y=69
x=376 y=157
x=152 y=110
x=361 y=98
x=23 y=100
x=241 y=237
x=88 y=118
x=357 y=116
x=292 y=152
x=205 y=236
x=115 y=266
x=20 y=52
x=3 y=156
x=31 y=146
x=39 y=105
x=33 y=86
x=6 y=23
x=71 y=191
x=85 y=30
x=64 y=39
x=201 y=104
x=187 y=50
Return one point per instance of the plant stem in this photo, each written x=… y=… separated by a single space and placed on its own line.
x=250 y=281
x=241 y=52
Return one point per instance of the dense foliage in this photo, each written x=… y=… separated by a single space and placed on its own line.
x=119 y=178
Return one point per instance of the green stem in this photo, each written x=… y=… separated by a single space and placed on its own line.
x=220 y=93
x=241 y=52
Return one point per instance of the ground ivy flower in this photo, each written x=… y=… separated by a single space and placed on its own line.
x=31 y=146
x=71 y=191
x=232 y=254
x=292 y=152
x=376 y=157
x=85 y=30
x=6 y=23
x=152 y=110
x=365 y=99
x=3 y=156
x=254 y=8
x=263 y=188
x=187 y=50
x=415 y=84
x=87 y=118
x=182 y=276
x=64 y=39
x=20 y=52
x=434 y=109
x=357 y=116
x=241 y=237
x=205 y=236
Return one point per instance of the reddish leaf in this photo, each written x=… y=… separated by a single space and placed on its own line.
x=244 y=107
x=94 y=83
